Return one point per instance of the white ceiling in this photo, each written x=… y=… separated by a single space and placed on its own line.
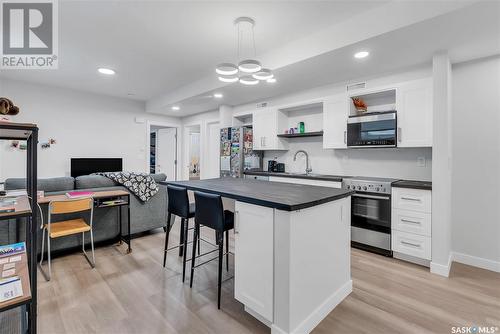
x=397 y=50
x=164 y=52
x=158 y=46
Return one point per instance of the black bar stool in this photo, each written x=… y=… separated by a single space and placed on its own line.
x=178 y=205
x=210 y=213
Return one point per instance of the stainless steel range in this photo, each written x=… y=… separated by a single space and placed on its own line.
x=370 y=213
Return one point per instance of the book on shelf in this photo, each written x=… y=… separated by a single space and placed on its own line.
x=79 y=194
x=8 y=250
x=7 y=205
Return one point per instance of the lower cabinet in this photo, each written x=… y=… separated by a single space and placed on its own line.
x=310 y=182
x=412 y=224
x=254 y=258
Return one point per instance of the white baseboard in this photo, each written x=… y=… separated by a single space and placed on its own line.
x=324 y=309
x=441 y=269
x=476 y=261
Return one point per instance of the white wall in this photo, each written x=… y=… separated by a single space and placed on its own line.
x=84 y=125
x=476 y=162
x=396 y=163
x=392 y=163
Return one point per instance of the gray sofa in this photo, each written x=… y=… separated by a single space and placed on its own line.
x=143 y=216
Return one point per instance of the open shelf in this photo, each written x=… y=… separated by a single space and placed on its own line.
x=305 y=134
x=16 y=131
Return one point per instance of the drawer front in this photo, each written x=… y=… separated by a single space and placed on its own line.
x=411 y=244
x=412 y=222
x=412 y=199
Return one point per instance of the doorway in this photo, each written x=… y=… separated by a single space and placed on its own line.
x=163 y=151
x=192 y=167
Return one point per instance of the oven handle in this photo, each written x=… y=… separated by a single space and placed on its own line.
x=371 y=196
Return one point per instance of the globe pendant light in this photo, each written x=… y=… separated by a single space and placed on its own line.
x=248 y=71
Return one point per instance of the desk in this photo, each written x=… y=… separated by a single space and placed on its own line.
x=100 y=197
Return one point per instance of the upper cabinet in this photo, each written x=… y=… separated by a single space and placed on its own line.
x=265 y=130
x=414 y=112
x=335 y=113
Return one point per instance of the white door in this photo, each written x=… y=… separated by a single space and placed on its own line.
x=335 y=122
x=254 y=260
x=166 y=152
x=212 y=168
x=414 y=108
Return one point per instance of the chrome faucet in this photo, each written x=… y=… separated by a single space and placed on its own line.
x=308 y=168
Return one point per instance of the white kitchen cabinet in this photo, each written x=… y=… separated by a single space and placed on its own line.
x=254 y=261
x=265 y=130
x=414 y=245
x=335 y=112
x=311 y=182
x=411 y=199
x=411 y=224
x=414 y=112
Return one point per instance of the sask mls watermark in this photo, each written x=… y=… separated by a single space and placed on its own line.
x=29 y=34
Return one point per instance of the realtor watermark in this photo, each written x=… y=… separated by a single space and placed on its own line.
x=29 y=34
x=474 y=330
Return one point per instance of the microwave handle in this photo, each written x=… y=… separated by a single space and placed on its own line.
x=345 y=137
x=399 y=134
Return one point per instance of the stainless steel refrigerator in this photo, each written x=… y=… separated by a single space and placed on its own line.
x=236 y=152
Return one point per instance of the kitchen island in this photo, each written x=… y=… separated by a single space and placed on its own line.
x=292 y=249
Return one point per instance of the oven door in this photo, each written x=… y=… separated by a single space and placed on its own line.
x=377 y=130
x=371 y=212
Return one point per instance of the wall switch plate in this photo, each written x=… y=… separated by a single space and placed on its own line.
x=421 y=162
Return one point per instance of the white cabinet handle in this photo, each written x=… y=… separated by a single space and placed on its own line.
x=411 y=199
x=409 y=221
x=406 y=243
x=236 y=222
x=345 y=137
x=399 y=134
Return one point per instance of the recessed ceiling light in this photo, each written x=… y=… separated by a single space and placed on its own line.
x=106 y=71
x=361 y=54
x=218 y=95
x=271 y=80
x=176 y=108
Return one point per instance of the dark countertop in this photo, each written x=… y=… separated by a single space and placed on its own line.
x=277 y=195
x=414 y=184
x=334 y=178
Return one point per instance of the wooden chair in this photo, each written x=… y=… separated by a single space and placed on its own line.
x=68 y=227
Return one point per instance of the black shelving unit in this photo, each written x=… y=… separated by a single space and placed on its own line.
x=28 y=133
x=305 y=134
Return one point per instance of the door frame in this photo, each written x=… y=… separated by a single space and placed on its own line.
x=186 y=151
x=177 y=127
x=208 y=123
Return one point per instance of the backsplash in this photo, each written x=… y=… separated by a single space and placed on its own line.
x=399 y=163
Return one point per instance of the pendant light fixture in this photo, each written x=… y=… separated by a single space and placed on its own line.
x=249 y=71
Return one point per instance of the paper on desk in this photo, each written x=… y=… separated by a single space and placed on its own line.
x=7 y=273
x=16 y=258
x=9 y=266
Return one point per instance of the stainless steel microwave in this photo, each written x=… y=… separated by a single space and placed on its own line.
x=372 y=130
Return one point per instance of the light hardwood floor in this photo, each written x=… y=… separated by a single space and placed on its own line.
x=133 y=293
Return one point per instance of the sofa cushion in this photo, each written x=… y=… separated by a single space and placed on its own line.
x=47 y=185
x=93 y=181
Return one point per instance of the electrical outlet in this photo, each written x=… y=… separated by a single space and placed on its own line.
x=421 y=162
